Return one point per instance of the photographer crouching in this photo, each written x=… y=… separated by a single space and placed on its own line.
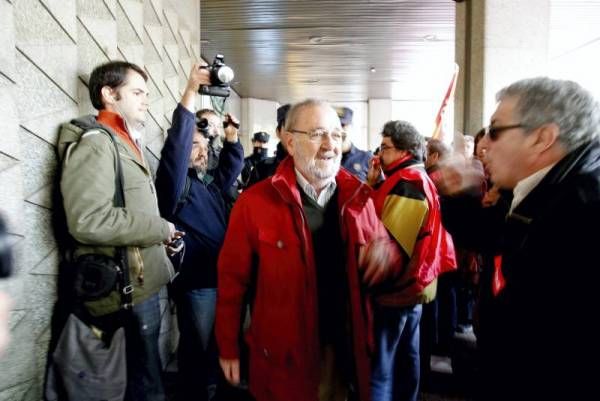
x=195 y=201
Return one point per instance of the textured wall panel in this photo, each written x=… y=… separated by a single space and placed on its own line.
x=134 y=12
x=9 y=121
x=103 y=33
x=126 y=32
x=36 y=95
x=48 y=41
x=64 y=11
x=11 y=195
x=172 y=25
x=105 y=9
x=152 y=12
x=7 y=44
x=133 y=54
x=39 y=239
x=46 y=126
x=41 y=159
x=18 y=356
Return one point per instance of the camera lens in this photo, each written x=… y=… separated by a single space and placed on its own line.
x=202 y=125
x=225 y=74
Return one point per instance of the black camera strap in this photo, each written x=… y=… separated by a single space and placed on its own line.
x=125 y=288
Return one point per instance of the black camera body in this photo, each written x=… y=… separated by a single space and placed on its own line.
x=202 y=125
x=220 y=77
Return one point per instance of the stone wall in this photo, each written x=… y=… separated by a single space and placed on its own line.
x=47 y=50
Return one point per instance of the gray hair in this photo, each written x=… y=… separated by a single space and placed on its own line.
x=291 y=117
x=544 y=100
x=405 y=136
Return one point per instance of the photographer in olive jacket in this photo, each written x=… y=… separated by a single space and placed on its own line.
x=118 y=90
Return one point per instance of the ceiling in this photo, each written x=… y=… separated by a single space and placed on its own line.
x=287 y=50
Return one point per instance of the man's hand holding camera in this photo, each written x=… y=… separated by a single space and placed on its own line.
x=198 y=76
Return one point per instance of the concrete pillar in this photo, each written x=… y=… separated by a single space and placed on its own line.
x=497 y=42
x=258 y=115
x=380 y=112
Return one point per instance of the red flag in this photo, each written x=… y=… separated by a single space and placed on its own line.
x=498 y=281
x=438 y=131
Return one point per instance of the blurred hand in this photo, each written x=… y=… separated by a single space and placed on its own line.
x=375 y=172
x=231 y=370
x=458 y=176
x=379 y=260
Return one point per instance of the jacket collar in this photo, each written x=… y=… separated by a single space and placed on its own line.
x=128 y=149
x=584 y=159
x=401 y=163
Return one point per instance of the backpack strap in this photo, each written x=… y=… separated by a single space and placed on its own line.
x=126 y=289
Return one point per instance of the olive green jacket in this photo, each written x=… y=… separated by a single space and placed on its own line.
x=88 y=187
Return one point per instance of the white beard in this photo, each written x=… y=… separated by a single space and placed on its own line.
x=316 y=169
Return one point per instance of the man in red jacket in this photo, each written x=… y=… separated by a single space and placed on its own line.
x=301 y=244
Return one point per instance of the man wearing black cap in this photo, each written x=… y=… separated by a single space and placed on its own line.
x=267 y=167
x=353 y=159
x=259 y=153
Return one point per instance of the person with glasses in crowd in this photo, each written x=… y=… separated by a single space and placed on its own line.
x=407 y=202
x=305 y=244
x=542 y=146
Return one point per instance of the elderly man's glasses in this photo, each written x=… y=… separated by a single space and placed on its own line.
x=317 y=135
x=494 y=132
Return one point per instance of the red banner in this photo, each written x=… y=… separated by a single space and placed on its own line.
x=438 y=131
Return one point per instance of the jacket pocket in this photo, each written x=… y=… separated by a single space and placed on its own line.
x=279 y=239
x=279 y=258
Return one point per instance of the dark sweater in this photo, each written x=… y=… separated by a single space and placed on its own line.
x=329 y=261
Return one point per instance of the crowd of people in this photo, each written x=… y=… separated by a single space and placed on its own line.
x=328 y=273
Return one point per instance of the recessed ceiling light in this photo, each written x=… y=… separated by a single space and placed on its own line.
x=315 y=39
x=372 y=69
x=430 y=38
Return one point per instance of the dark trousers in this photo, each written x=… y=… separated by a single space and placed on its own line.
x=197 y=356
x=144 y=368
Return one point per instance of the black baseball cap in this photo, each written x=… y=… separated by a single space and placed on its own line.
x=345 y=114
x=260 y=137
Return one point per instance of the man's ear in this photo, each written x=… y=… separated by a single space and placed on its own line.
x=287 y=139
x=546 y=137
x=107 y=95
